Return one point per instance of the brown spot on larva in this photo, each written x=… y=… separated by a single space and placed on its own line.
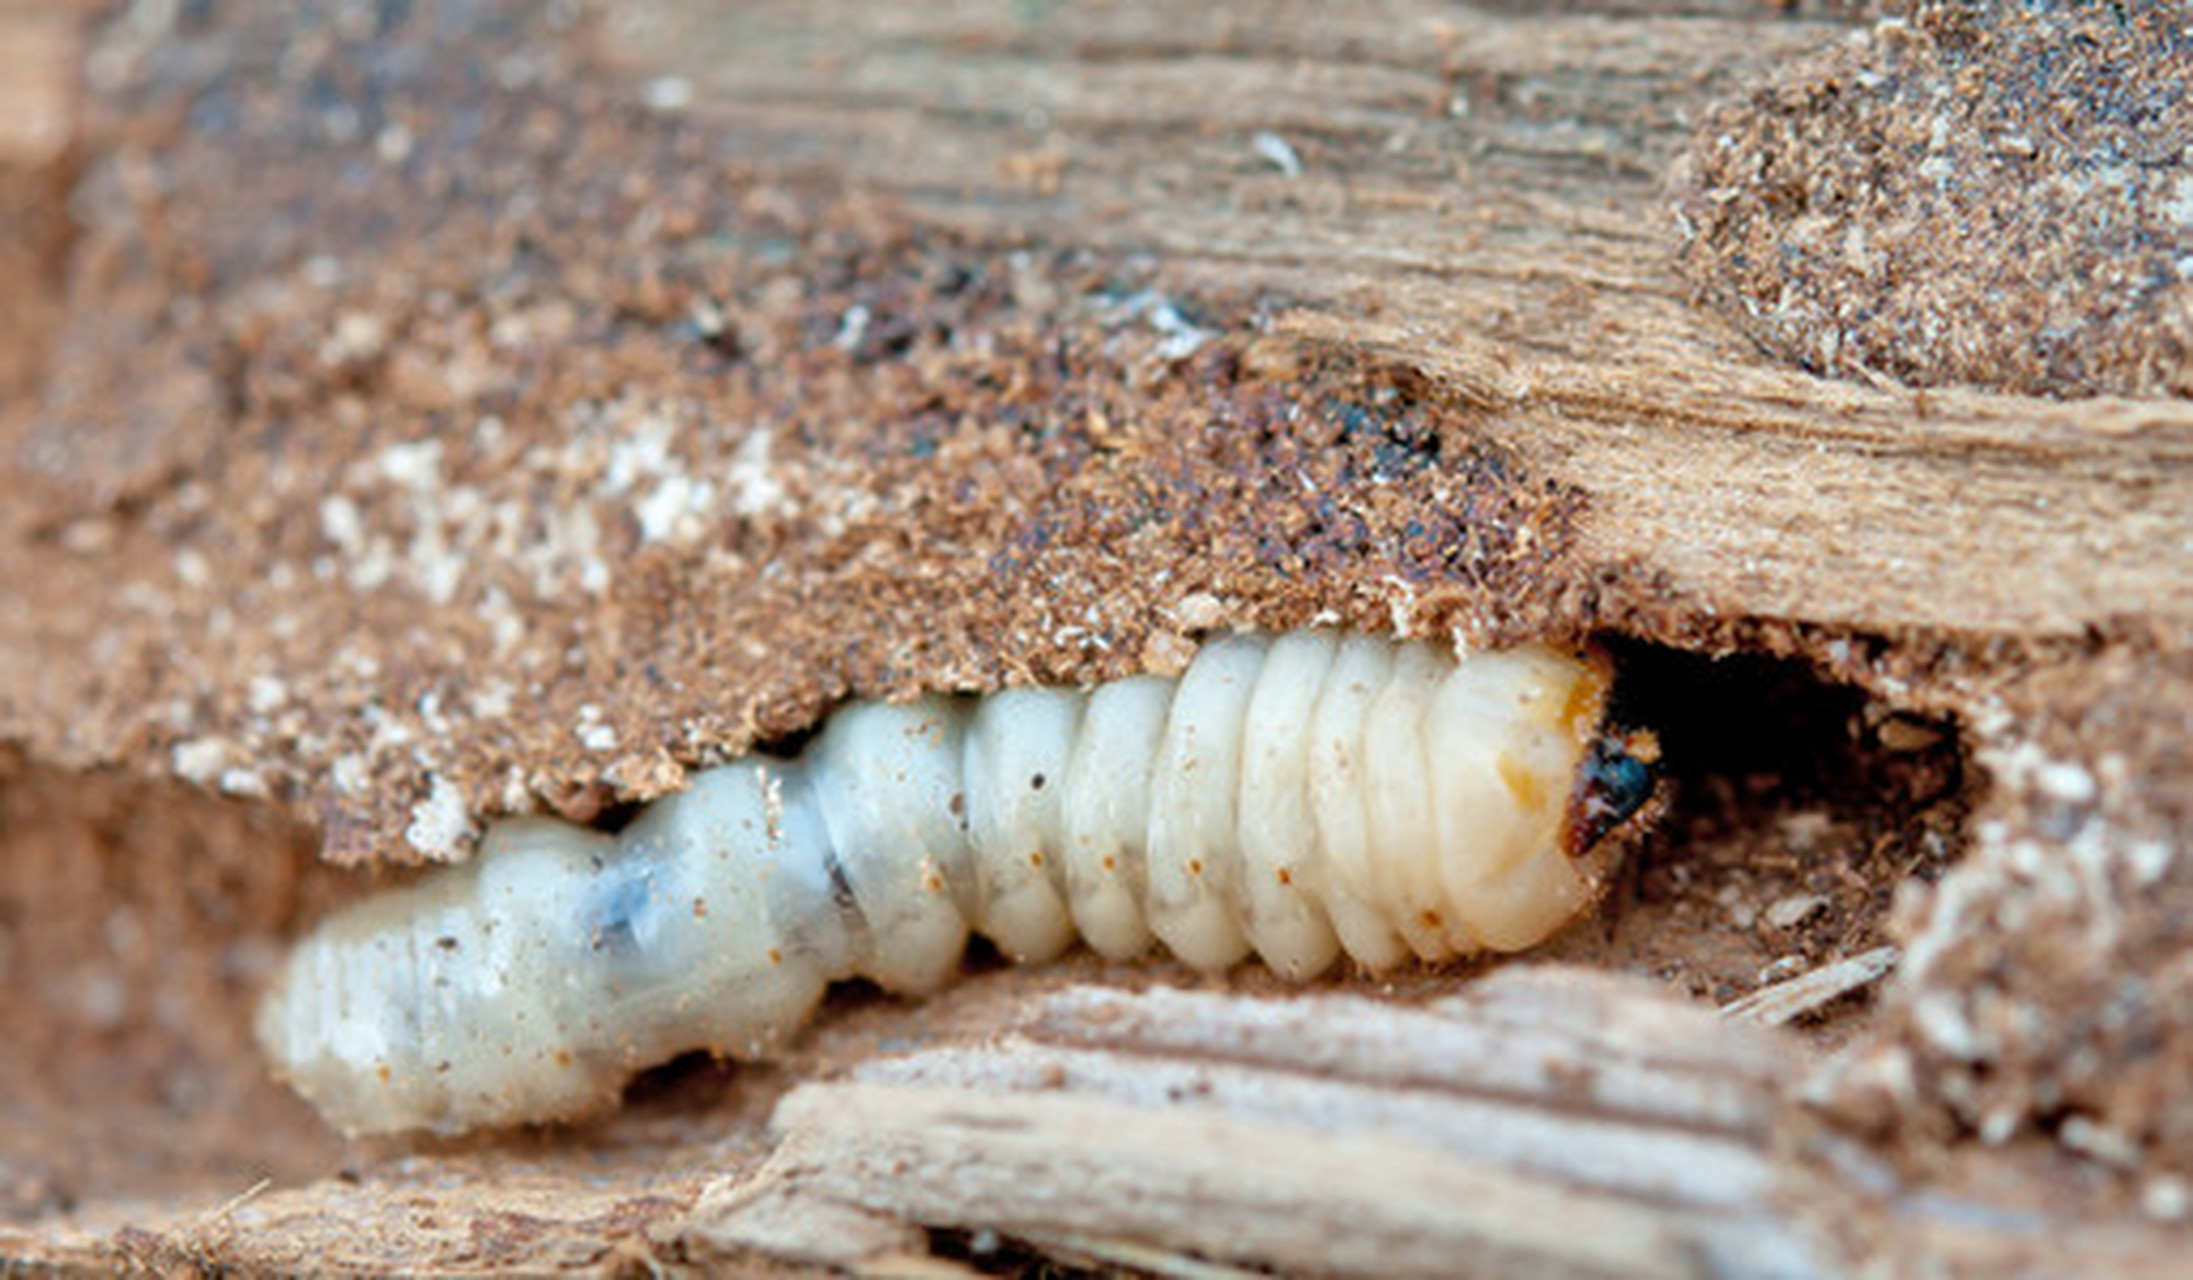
x=1286 y=875
x=1429 y=919
x=700 y=908
x=958 y=804
x=1110 y=863
x=1195 y=867
x=933 y=882
x=381 y=1070
x=1580 y=711
x=776 y=956
x=563 y=1058
x=1524 y=785
x=1035 y=858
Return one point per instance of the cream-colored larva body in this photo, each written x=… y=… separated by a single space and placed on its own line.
x=1300 y=797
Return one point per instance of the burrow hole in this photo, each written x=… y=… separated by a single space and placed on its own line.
x=1796 y=810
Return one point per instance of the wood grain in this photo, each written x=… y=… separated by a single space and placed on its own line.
x=1479 y=199
x=1551 y=1122
x=40 y=45
x=1469 y=197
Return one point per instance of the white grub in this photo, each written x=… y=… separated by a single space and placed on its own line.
x=1771 y=1006
x=1301 y=797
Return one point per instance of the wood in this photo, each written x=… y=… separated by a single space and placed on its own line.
x=1785 y=1002
x=1328 y=1134
x=1480 y=199
x=1467 y=199
x=1552 y=1122
x=39 y=48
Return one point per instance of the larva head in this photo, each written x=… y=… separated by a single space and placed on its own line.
x=1530 y=784
x=1616 y=783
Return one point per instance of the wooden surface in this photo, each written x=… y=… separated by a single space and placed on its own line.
x=39 y=67
x=1550 y=1122
x=1480 y=197
x=1331 y=1135
x=1469 y=198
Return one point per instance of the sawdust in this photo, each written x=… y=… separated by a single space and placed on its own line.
x=484 y=479
x=1989 y=194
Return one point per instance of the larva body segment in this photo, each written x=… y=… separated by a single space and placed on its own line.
x=887 y=779
x=1404 y=848
x=1190 y=855
x=1015 y=772
x=1107 y=810
x=1283 y=888
x=1299 y=796
x=1338 y=767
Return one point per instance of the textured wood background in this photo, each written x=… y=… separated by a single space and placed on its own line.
x=1463 y=205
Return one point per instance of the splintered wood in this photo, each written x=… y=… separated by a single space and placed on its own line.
x=1551 y=1122
x=1771 y=1006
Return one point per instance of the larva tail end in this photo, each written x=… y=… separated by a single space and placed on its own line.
x=1618 y=781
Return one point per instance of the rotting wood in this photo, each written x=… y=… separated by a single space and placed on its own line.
x=1787 y=1001
x=1480 y=200
x=1476 y=204
x=1550 y=1122
x=38 y=71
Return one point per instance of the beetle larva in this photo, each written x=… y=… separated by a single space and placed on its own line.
x=1299 y=797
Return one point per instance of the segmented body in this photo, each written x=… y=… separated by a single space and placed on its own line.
x=1300 y=797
